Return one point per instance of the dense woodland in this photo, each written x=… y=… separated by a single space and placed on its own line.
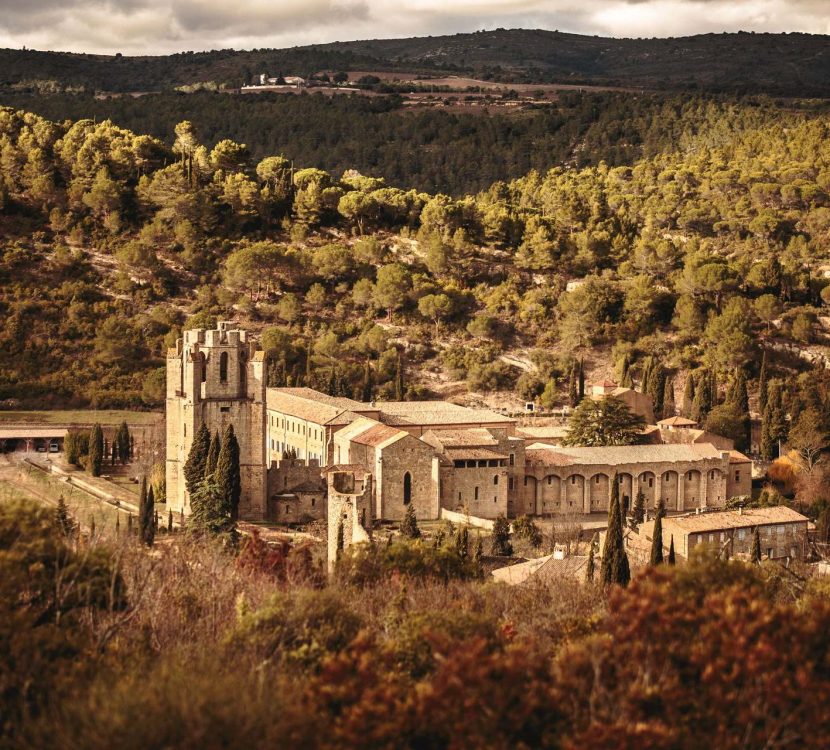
x=701 y=257
x=783 y=64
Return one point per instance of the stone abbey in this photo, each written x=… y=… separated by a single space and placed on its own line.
x=306 y=455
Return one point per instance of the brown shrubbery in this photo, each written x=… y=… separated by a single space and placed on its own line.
x=202 y=652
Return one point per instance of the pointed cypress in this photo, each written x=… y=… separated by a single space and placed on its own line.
x=213 y=454
x=367 y=392
x=146 y=512
x=409 y=526
x=590 y=567
x=581 y=379
x=671 y=560
x=762 y=384
x=687 y=406
x=656 y=557
x=227 y=474
x=400 y=387
x=96 y=451
x=668 y=398
x=614 y=568
x=756 y=547
x=194 y=467
x=573 y=389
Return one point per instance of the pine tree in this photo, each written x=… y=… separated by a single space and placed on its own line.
x=213 y=454
x=228 y=475
x=409 y=526
x=63 y=519
x=756 y=547
x=96 y=451
x=501 y=538
x=687 y=407
x=668 y=398
x=368 y=390
x=400 y=387
x=194 y=467
x=146 y=526
x=762 y=384
x=614 y=567
x=656 y=557
x=671 y=560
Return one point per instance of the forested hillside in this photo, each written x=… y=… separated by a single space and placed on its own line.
x=436 y=150
x=695 y=259
x=785 y=64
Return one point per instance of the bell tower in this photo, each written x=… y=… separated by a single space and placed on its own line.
x=217 y=377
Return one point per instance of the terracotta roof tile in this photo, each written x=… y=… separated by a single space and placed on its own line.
x=622 y=454
x=733 y=519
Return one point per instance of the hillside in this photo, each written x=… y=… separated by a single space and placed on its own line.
x=780 y=64
x=693 y=265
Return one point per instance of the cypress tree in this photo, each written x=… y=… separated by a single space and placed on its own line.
x=479 y=550
x=614 y=567
x=656 y=557
x=656 y=385
x=645 y=375
x=409 y=526
x=590 y=567
x=122 y=438
x=129 y=524
x=462 y=543
x=625 y=373
x=400 y=387
x=756 y=547
x=96 y=451
x=668 y=398
x=341 y=540
x=118 y=524
x=92 y=527
x=170 y=521
x=573 y=388
x=671 y=560
x=639 y=512
x=762 y=384
x=213 y=454
x=114 y=454
x=194 y=467
x=687 y=407
x=332 y=386
x=738 y=397
x=227 y=474
x=581 y=379
x=146 y=525
x=367 y=392
x=703 y=402
x=774 y=423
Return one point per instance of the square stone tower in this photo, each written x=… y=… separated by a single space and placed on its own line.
x=217 y=377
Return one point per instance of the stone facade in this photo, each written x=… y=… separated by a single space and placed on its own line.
x=296 y=491
x=350 y=500
x=217 y=378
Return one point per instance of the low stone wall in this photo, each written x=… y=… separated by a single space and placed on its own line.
x=479 y=523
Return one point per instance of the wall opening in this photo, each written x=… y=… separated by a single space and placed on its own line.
x=407 y=488
x=223 y=367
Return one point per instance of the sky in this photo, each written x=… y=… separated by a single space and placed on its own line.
x=163 y=26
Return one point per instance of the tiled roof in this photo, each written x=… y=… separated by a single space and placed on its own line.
x=617 y=455
x=677 y=422
x=473 y=436
x=547 y=567
x=605 y=384
x=736 y=457
x=550 y=432
x=427 y=413
x=314 y=406
x=733 y=519
x=24 y=432
x=378 y=434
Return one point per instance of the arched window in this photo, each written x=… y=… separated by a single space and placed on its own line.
x=496 y=479
x=407 y=488
x=475 y=496
x=223 y=367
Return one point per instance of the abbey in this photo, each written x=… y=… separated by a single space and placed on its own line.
x=307 y=455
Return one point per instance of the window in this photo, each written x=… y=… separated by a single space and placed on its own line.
x=407 y=488
x=313 y=501
x=224 y=409
x=651 y=481
x=223 y=367
x=737 y=476
x=741 y=533
x=512 y=459
x=495 y=498
x=526 y=478
x=459 y=497
x=573 y=479
x=550 y=480
x=510 y=483
x=620 y=479
x=475 y=494
x=596 y=479
x=496 y=479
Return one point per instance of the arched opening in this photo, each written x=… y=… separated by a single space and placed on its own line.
x=203 y=365
x=223 y=367
x=407 y=488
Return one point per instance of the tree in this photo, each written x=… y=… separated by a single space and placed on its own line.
x=392 y=287
x=409 y=525
x=590 y=566
x=213 y=454
x=704 y=397
x=500 y=544
x=606 y=421
x=668 y=398
x=687 y=406
x=671 y=559
x=656 y=557
x=208 y=510
x=122 y=441
x=773 y=423
x=96 y=451
x=756 y=547
x=400 y=386
x=367 y=391
x=436 y=307
x=228 y=476
x=63 y=519
x=639 y=512
x=146 y=513
x=614 y=568
x=727 y=420
x=194 y=467
x=808 y=438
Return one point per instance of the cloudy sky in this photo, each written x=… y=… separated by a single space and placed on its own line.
x=159 y=26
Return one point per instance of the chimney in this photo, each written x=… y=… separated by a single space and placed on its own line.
x=559 y=554
x=740 y=510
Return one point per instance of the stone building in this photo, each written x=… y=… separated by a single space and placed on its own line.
x=685 y=477
x=296 y=491
x=217 y=378
x=350 y=501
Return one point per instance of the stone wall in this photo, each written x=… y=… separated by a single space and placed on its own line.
x=350 y=509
